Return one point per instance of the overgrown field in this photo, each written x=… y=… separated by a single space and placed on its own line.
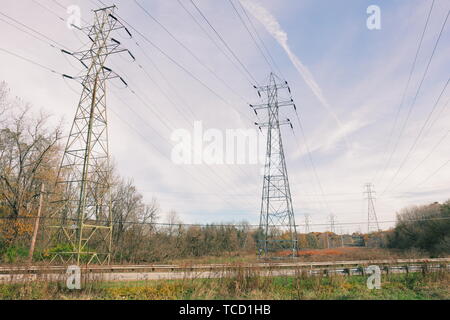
x=245 y=285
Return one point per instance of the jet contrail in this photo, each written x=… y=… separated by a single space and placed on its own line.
x=274 y=28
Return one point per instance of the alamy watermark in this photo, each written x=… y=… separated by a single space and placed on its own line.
x=217 y=147
x=73 y=278
x=374 y=19
x=74 y=19
x=374 y=281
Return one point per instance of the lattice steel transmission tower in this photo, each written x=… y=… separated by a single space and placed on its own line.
x=277 y=224
x=332 y=219
x=84 y=220
x=307 y=223
x=372 y=220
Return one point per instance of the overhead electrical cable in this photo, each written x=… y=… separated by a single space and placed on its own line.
x=378 y=177
x=224 y=42
x=415 y=100
x=191 y=53
x=251 y=35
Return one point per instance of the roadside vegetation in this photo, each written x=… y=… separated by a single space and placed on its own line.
x=31 y=146
x=246 y=285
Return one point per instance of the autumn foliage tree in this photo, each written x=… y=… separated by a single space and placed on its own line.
x=29 y=153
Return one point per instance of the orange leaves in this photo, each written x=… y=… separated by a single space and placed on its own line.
x=12 y=229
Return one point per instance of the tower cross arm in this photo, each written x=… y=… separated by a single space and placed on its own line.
x=288 y=103
x=272 y=87
x=270 y=124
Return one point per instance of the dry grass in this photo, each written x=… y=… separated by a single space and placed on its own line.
x=245 y=284
x=316 y=255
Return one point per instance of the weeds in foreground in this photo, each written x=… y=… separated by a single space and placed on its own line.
x=245 y=284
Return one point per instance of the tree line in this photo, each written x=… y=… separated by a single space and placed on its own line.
x=31 y=148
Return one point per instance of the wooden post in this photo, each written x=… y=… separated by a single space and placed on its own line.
x=36 y=225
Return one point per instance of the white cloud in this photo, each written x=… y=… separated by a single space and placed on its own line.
x=275 y=29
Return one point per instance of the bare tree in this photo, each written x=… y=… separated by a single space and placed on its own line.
x=132 y=219
x=28 y=156
x=172 y=221
x=3 y=101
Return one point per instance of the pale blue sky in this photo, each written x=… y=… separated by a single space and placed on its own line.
x=361 y=73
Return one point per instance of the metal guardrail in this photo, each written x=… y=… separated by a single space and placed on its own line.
x=220 y=267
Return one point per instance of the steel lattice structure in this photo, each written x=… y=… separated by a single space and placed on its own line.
x=372 y=220
x=85 y=220
x=277 y=224
x=307 y=223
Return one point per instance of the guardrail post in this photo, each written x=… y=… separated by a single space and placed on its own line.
x=386 y=269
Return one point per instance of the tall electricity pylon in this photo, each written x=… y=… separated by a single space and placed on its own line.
x=277 y=224
x=372 y=220
x=84 y=227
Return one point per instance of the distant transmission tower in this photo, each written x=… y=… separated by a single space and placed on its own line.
x=307 y=223
x=277 y=224
x=372 y=220
x=332 y=223
x=84 y=227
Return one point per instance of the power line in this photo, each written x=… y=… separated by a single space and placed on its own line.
x=142 y=100
x=189 y=51
x=415 y=99
x=30 y=61
x=145 y=38
x=162 y=153
x=172 y=128
x=165 y=122
x=413 y=67
x=155 y=66
x=260 y=39
x=251 y=34
x=28 y=33
x=433 y=174
x=33 y=30
x=223 y=41
x=221 y=225
x=223 y=182
x=235 y=65
x=436 y=146
x=181 y=67
x=417 y=140
x=49 y=10
x=311 y=160
x=51 y=70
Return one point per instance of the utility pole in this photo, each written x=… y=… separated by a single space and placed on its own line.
x=372 y=220
x=277 y=213
x=36 y=224
x=85 y=222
